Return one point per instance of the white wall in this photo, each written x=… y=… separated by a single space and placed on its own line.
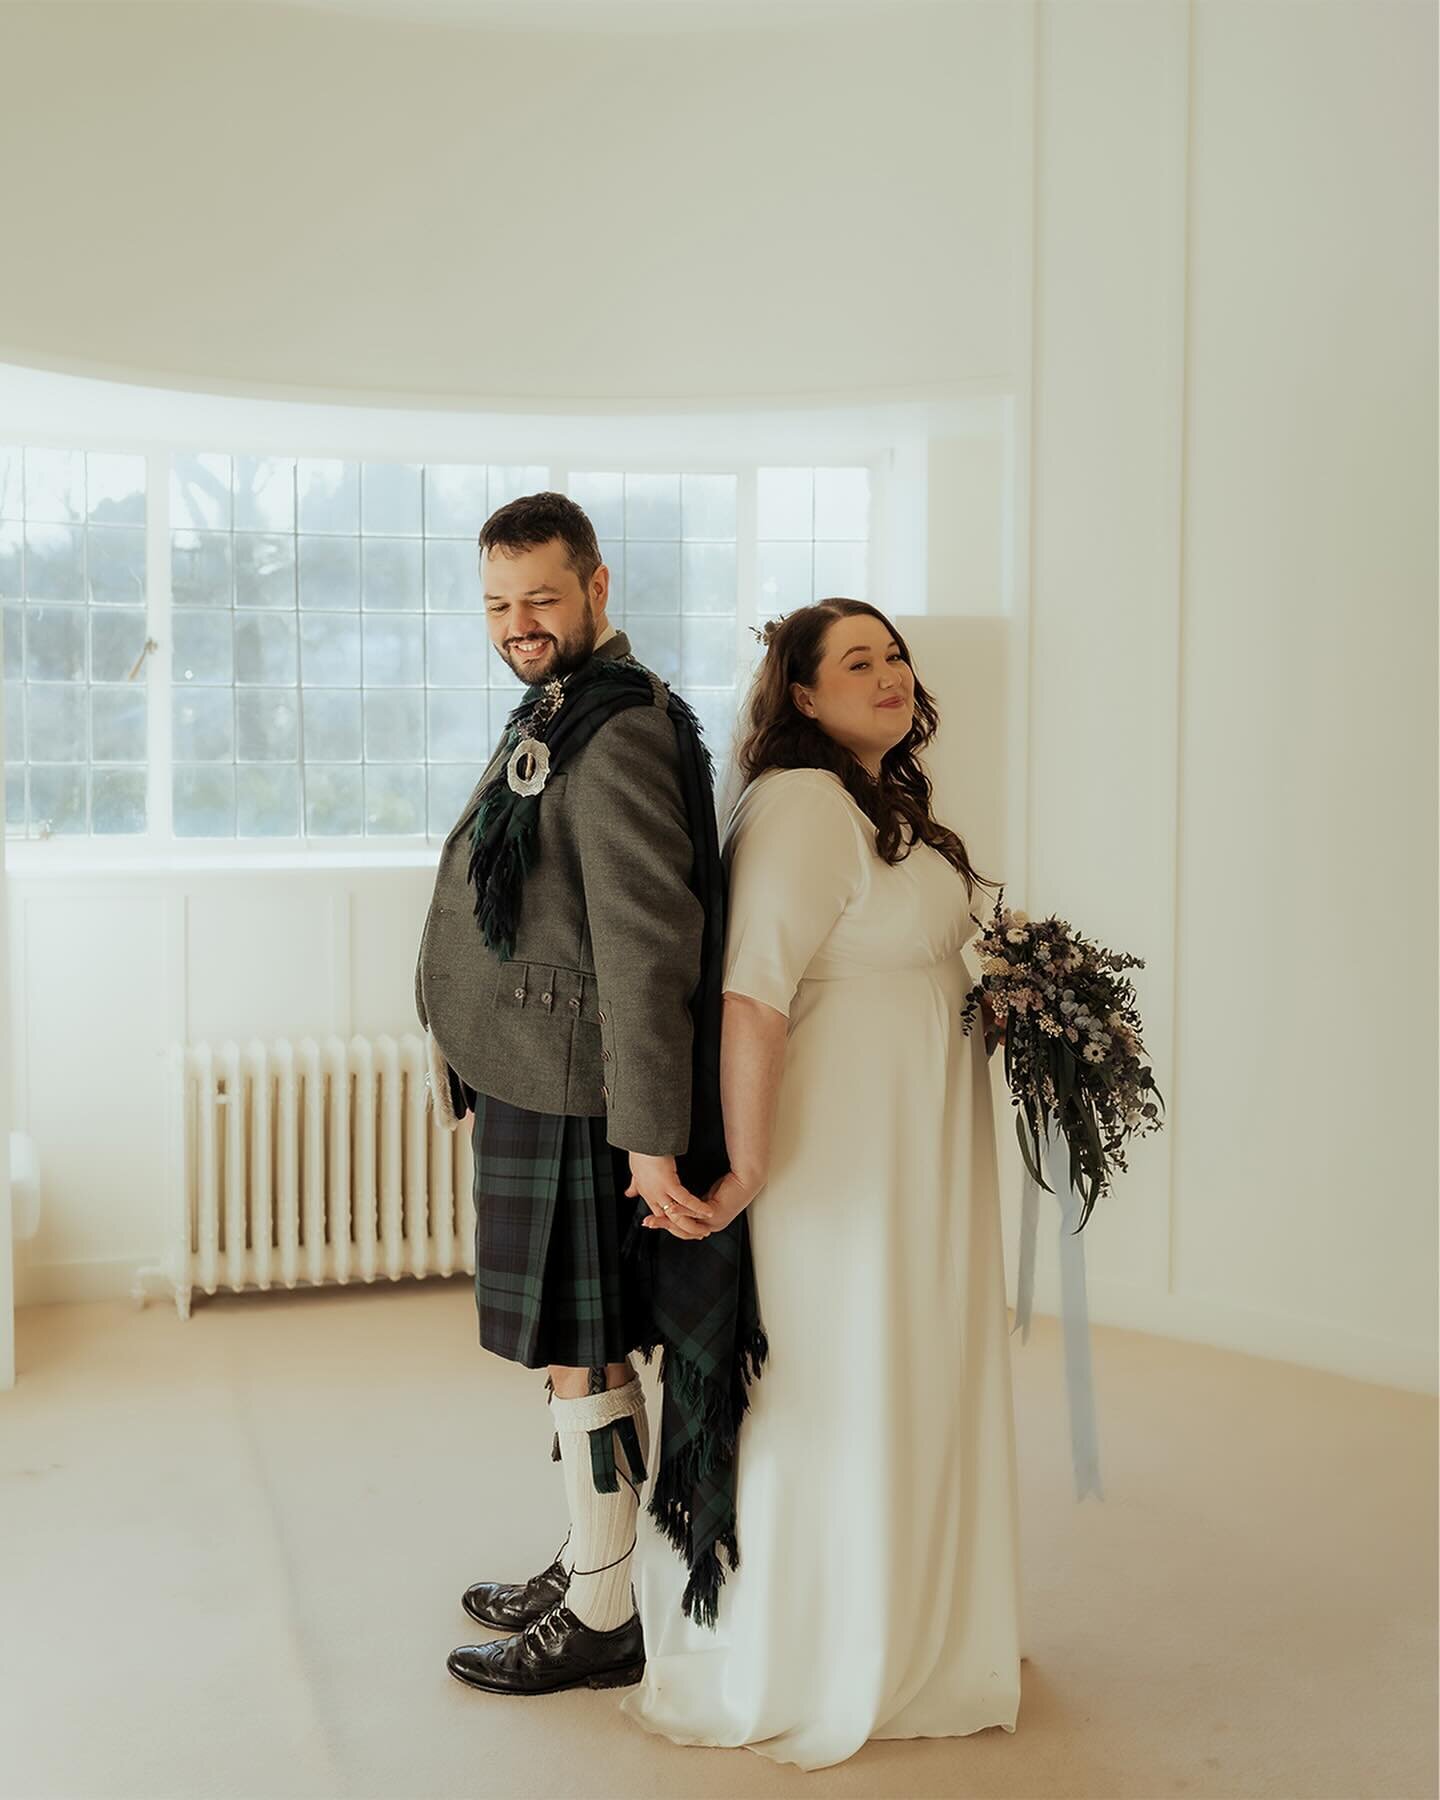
x=1305 y=1174
x=1232 y=703
x=1180 y=576
x=319 y=203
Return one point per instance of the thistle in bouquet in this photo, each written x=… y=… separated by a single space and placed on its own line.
x=1074 y=1058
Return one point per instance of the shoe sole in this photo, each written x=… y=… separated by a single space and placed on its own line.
x=605 y=1678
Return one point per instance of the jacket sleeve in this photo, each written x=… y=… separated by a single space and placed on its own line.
x=645 y=925
x=420 y=1012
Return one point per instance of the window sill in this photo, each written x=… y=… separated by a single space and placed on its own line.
x=35 y=859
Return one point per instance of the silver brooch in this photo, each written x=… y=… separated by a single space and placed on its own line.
x=529 y=766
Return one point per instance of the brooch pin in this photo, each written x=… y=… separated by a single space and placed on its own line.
x=528 y=769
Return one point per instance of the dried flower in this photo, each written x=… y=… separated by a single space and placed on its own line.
x=1072 y=1052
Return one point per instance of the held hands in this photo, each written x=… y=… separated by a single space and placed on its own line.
x=692 y=1218
x=673 y=1208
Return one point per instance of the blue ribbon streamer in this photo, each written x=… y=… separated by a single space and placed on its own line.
x=1074 y=1309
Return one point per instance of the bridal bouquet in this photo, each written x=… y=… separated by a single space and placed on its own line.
x=1073 y=1055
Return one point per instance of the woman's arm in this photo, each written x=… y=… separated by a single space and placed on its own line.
x=752 y=1055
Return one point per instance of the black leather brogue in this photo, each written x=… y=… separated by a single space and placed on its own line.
x=553 y=1653
x=506 y=1606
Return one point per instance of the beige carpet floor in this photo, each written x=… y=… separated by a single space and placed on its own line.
x=231 y=1553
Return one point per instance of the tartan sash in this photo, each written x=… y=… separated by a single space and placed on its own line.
x=702 y=1294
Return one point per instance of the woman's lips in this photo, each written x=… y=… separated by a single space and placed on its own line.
x=895 y=704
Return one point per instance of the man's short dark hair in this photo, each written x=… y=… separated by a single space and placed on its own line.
x=536 y=519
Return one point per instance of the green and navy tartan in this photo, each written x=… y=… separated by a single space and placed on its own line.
x=550 y=1213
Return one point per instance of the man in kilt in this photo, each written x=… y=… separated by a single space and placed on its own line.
x=557 y=967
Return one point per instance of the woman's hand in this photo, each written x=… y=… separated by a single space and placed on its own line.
x=994 y=1026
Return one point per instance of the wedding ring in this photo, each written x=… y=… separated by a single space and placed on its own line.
x=665 y=1206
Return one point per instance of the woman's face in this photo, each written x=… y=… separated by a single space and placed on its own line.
x=863 y=695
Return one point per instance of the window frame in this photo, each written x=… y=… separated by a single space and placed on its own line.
x=800 y=444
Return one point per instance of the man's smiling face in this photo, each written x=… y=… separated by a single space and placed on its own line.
x=541 y=618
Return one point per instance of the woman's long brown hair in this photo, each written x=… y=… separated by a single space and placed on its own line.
x=779 y=736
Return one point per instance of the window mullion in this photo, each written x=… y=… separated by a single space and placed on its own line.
x=159 y=665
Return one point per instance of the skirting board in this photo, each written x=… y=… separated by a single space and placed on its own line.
x=1308 y=1342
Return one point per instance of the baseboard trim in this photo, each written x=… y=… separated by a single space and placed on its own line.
x=1312 y=1343
x=91 y=1278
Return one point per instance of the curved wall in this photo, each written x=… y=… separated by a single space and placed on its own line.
x=297 y=201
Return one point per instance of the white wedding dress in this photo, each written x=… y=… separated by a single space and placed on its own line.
x=878 y=1593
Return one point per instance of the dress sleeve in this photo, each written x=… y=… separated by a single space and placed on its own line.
x=795 y=863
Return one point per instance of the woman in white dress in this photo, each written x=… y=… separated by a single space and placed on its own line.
x=878 y=1590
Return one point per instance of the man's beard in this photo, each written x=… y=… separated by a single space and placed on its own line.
x=564 y=656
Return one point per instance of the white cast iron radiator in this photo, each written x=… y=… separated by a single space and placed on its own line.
x=308 y=1164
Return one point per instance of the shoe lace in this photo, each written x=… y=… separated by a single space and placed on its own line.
x=546 y=1576
x=542 y=1633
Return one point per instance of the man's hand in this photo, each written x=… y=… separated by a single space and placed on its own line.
x=674 y=1208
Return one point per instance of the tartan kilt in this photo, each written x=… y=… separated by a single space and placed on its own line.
x=550 y=1214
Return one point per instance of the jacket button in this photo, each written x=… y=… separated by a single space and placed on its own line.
x=605 y=1091
x=519 y=993
x=604 y=1056
x=601 y=1017
x=574 y=1006
x=547 y=998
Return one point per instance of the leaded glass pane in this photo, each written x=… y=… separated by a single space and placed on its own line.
x=395 y=726
x=116 y=564
x=328 y=495
x=265 y=493
x=118 y=724
x=334 y=800
x=55 y=643
x=264 y=570
x=332 y=724
x=201 y=568
x=118 y=802
x=395 y=800
x=57 y=798
x=200 y=496
x=390 y=498
x=54 y=486
x=267 y=725
x=204 y=802
x=267 y=800
x=54 y=562
x=455 y=501
x=330 y=574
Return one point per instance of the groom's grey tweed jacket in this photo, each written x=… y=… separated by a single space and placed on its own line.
x=592 y=1016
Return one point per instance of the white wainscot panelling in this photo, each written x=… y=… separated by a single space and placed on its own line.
x=88 y=991
x=387 y=913
x=266 y=954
